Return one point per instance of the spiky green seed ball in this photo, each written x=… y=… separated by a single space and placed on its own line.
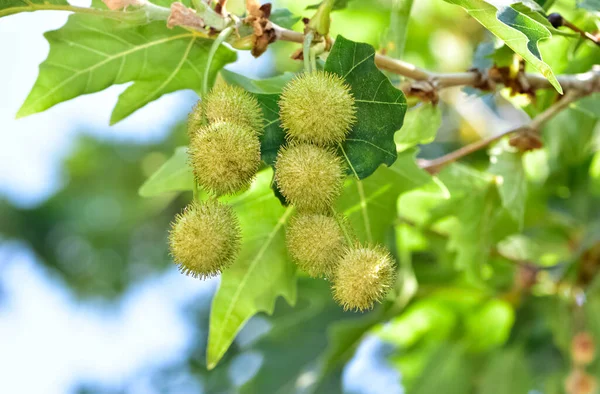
x=309 y=177
x=315 y=242
x=317 y=108
x=205 y=239
x=224 y=157
x=233 y=104
x=363 y=276
x=196 y=120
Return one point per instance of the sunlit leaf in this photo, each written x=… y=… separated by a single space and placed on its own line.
x=89 y=54
x=174 y=175
x=261 y=273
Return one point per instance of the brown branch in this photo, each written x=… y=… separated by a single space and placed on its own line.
x=586 y=82
x=436 y=165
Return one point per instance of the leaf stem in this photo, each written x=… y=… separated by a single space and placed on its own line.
x=361 y=194
x=306 y=52
x=342 y=226
x=211 y=54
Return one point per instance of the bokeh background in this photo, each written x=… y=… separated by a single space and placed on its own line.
x=89 y=299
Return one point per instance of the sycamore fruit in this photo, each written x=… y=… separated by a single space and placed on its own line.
x=233 y=104
x=309 y=177
x=317 y=108
x=363 y=277
x=205 y=239
x=315 y=243
x=224 y=157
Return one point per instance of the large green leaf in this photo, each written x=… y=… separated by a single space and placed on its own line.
x=511 y=180
x=519 y=31
x=297 y=337
x=174 y=175
x=89 y=54
x=261 y=273
x=380 y=106
x=449 y=371
x=370 y=204
x=476 y=204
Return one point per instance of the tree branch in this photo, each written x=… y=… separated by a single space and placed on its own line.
x=586 y=82
x=436 y=165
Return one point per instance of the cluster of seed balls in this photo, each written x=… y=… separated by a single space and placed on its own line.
x=224 y=154
x=317 y=112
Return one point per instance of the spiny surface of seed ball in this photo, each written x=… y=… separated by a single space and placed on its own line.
x=233 y=104
x=309 y=177
x=196 y=120
x=363 y=276
x=317 y=108
x=205 y=239
x=315 y=243
x=583 y=349
x=224 y=157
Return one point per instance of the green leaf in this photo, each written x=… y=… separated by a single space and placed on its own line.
x=589 y=105
x=338 y=5
x=420 y=127
x=89 y=54
x=380 y=106
x=174 y=175
x=489 y=326
x=300 y=331
x=284 y=18
x=511 y=180
x=370 y=204
x=520 y=32
x=449 y=371
x=344 y=338
x=507 y=373
x=261 y=273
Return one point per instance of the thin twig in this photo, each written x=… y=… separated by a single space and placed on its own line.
x=436 y=165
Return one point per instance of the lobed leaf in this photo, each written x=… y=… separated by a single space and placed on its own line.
x=380 y=106
x=174 y=175
x=518 y=31
x=89 y=54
